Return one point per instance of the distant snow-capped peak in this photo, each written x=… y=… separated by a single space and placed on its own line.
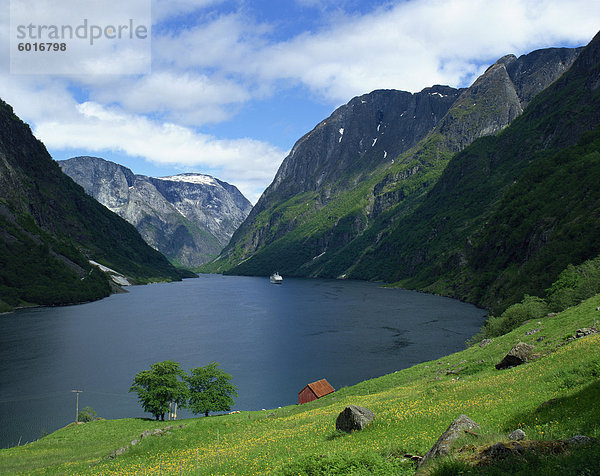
x=191 y=178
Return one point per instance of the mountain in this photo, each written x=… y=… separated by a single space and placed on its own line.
x=338 y=155
x=50 y=229
x=188 y=217
x=512 y=210
x=338 y=197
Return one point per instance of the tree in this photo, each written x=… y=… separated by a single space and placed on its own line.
x=210 y=389
x=87 y=414
x=159 y=386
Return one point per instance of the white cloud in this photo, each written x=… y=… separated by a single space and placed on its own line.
x=209 y=63
x=34 y=98
x=228 y=42
x=407 y=45
x=185 y=98
x=165 y=9
x=419 y=43
x=247 y=163
x=109 y=37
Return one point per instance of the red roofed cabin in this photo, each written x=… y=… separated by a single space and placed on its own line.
x=314 y=390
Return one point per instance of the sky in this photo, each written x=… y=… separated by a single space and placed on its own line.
x=230 y=85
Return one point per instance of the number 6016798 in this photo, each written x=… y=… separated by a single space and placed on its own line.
x=42 y=46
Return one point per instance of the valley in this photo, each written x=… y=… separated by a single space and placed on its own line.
x=486 y=194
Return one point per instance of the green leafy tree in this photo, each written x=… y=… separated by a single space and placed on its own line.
x=159 y=386
x=210 y=389
x=87 y=414
x=575 y=284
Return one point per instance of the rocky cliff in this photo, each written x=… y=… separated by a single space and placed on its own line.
x=346 y=183
x=188 y=217
x=510 y=211
x=340 y=152
x=368 y=131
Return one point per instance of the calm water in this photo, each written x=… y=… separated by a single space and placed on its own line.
x=273 y=339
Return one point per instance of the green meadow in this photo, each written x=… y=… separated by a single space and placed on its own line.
x=553 y=396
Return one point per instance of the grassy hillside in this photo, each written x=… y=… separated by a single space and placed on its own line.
x=554 y=396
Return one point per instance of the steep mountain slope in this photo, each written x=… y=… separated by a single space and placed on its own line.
x=339 y=153
x=328 y=205
x=188 y=217
x=332 y=160
x=510 y=211
x=50 y=228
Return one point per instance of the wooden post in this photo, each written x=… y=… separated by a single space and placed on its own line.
x=77 y=404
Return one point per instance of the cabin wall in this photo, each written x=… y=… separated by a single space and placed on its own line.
x=306 y=395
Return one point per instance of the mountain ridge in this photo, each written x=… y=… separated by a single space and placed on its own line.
x=187 y=217
x=313 y=234
x=330 y=135
x=447 y=244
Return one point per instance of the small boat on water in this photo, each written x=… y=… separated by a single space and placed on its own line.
x=276 y=278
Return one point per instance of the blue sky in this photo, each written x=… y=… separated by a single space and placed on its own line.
x=235 y=83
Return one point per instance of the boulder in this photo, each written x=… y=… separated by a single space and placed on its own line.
x=485 y=342
x=517 y=435
x=580 y=440
x=354 y=418
x=454 y=371
x=121 y=450
x=518 y=355
x=499 y=451
x=413 y=458
x=548 y=403
x=442 y=445
x=586 y=331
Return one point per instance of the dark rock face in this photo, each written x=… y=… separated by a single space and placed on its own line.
x=489 y=105
x=188 y=217
x=518 y=355
x=442 y=445
x=499 y=95
x=358 y=137
x=354 y=418
x=532 y=73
